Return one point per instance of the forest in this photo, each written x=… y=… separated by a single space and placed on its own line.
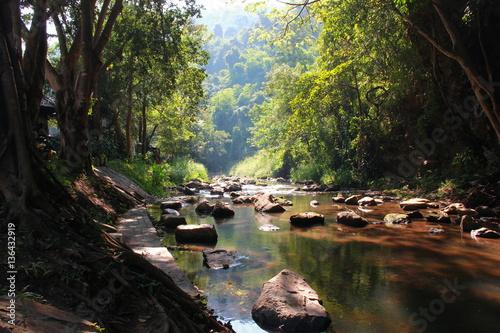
x=383 y=94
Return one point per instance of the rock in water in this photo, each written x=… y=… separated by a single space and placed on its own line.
x=307 y=219
x=267 y=203
x=219 y=259
x=171 y=221
x=485 y=233
x=367 y=201
x=196 y=233
x=171 y=205
x=351 y=219
x=439 y=217
x=288 y=303
x=222 y=210
x=204 y=207
x=353 y=199
x=395 y=218
x=414 y=204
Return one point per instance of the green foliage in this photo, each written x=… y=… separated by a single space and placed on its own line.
x=263 y=164
x=155 y=178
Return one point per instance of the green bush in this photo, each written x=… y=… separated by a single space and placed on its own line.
x=155 y=178
x=262 y=164
x=306 y=171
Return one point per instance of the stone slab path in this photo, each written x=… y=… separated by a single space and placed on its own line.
x=140 y=235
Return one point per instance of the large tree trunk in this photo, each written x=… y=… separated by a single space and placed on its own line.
x=74 y=85
x=20 y=179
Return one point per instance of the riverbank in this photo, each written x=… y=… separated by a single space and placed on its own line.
x=91 y=280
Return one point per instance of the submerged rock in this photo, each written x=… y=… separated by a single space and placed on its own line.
x=269 y=227
x=307 y=219
x=436 y=231
x=395 y=218
x=219 y=259
x=267 y=203
x=351 y=219
x=288 y=303
x=196 y=233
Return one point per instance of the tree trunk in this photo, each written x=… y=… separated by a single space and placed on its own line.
x=130 y=107
x=19 y=178
x=144 y=130
x=74 y=85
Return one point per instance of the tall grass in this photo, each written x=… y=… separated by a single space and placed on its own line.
x=155 y=178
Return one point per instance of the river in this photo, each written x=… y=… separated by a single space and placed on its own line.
x=377 y=279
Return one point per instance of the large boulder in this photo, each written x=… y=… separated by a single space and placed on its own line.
x=222 y=210
x=307 y=219
x=415 y=204
x=196 y=233
x=219 y=259
x=395 y=218
x=267 y=203
x=351 y=219
x=288 y=303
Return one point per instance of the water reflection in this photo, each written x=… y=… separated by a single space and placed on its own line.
x=377 y=279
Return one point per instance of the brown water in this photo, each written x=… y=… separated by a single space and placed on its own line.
x=376 y=279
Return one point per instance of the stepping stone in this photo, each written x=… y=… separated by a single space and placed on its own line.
x=171 y=205
x=307 y=219
x=196 y=233
x=351 y=219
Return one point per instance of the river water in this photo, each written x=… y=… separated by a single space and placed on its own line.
x=377 y=279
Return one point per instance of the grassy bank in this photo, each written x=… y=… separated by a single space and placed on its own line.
x=155 y=178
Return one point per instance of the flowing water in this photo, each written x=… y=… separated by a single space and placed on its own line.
x=377 y=279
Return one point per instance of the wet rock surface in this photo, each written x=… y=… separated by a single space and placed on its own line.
x=351 y=219
x=267 y=203
x=219 y=259
x=288 y=303
x=395 y=218
x=196 y=233
x=307 y=219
